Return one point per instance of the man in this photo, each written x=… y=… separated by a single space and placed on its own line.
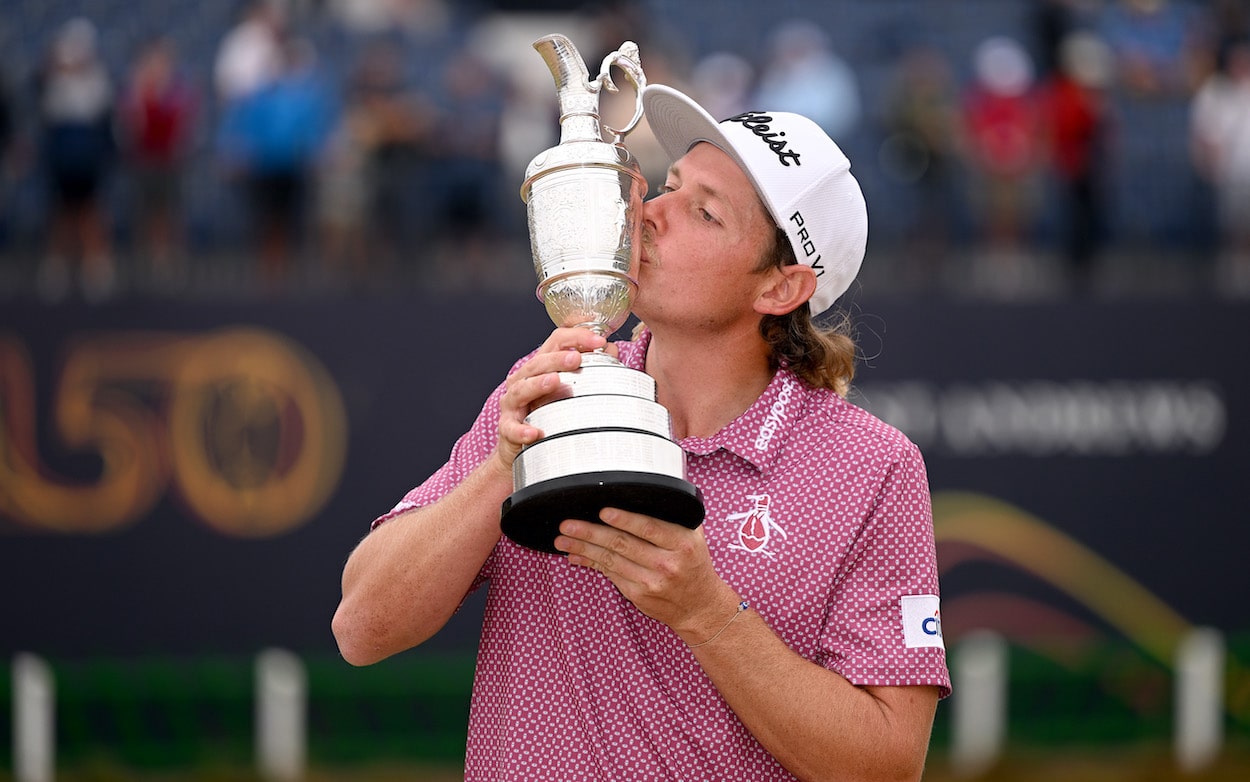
x=796 y=633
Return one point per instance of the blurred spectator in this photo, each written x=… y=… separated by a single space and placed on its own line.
x=1158 y=45
x=1220 y=142
x=248 y=52
x=342 y=199
x=919 y=150
x=723 y=82
x=271 y=140
x=250 y=55
x=370 y=17
x=1076 y=117
x=1229 y=21
x=802 y=74
x=613 y=22
x=156 y=119
x=375 y=167
x=75 y=108
x=364 y=17
x=1004 y=151
x=1052 y=22
x=467 y=169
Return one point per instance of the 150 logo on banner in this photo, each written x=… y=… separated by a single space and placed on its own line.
x=244 y=426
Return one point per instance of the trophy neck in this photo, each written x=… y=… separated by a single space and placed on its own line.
x=597 y=358
x=577 y=127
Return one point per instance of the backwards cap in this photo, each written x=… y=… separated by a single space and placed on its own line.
x=798 y=171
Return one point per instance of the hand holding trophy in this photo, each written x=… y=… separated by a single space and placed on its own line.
x=606 y=441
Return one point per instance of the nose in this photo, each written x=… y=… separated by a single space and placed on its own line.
x=653 y=212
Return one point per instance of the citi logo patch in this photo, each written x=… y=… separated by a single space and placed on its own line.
x=922 y=622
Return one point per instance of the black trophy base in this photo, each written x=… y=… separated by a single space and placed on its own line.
x=532 y=516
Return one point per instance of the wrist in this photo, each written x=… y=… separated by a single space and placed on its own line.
x=742 y=607
x=499 y=467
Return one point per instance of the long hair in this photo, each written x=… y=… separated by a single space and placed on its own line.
x=821 y=354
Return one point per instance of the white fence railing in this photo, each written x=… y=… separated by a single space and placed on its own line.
x=979 y=710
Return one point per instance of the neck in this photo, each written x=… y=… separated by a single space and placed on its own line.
x=705 y=386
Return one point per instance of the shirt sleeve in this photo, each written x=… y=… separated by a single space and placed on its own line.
x=884 y=622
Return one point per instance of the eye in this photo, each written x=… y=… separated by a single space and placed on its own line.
x=708 y=217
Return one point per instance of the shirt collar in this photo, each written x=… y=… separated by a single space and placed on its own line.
x=758 y=434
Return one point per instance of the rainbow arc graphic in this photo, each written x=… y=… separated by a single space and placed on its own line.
x=971 y=528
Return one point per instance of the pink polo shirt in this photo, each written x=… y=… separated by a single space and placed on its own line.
x=818 y=514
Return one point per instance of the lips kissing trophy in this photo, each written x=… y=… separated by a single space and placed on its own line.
x=606 y=441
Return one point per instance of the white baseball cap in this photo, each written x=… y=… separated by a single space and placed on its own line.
x=801 y=175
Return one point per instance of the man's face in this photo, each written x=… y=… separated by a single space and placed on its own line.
x=702 y=239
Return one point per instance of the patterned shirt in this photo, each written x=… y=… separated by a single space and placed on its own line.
x=818 y=514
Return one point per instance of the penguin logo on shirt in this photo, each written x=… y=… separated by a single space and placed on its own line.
x=756 y=526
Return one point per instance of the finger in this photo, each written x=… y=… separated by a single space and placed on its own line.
x=534 y=381
x=521 y=392
x=518 y=434
x=652 y=530
x=579 y=339
x=545 y=363
x=562 y=352
x=514 y=431
x=663 y=535
x=579 y=549
x=537 y=381
x=612 y=551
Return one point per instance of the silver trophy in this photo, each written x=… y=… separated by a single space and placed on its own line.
x=606 y=441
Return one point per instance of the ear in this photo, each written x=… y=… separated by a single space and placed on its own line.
x=788 y=288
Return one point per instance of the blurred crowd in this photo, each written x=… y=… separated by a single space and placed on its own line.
x=395 y=163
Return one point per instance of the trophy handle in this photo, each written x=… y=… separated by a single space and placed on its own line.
x=627 y=59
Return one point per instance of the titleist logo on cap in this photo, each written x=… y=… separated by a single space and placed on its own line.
x=759 y=123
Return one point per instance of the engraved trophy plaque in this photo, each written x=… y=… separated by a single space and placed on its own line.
x=606 y=441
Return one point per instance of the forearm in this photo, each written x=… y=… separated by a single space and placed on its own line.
x=406 y=578
x=816 y=723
